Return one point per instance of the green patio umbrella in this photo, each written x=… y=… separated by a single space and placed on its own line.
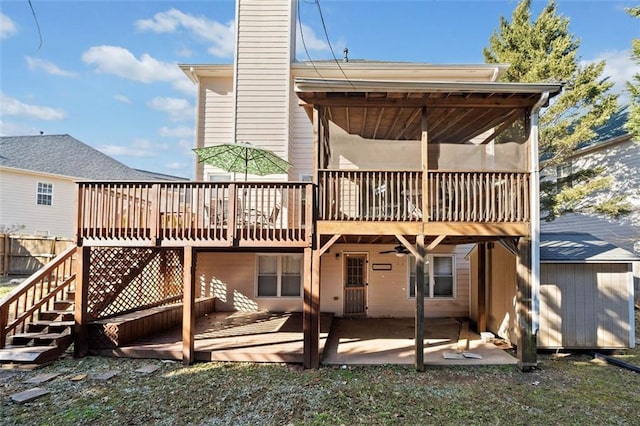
x=242 y=157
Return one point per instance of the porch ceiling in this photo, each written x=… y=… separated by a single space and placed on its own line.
x=456 y=111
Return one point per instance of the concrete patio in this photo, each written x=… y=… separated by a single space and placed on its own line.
x=278 y=337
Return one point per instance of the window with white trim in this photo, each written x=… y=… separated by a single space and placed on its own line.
x=439 y=276
x=279 y=275
x=44 y=194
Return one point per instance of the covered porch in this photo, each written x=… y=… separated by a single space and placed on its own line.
x=277 y=337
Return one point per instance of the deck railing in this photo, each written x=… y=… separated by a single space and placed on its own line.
x=198 y=213
x=452 y=196
x=36 y=294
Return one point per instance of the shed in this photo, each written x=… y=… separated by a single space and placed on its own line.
x=586 y=293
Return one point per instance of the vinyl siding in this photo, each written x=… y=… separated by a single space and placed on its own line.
x=501 y=292
x=18 y=204
x=584 y=306
x=387 y=292
x=263 y=74
x=621 y=162
x=231 y=278
x=301 y=140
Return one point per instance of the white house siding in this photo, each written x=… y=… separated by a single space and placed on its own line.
x=18 y=204
x=584 y=306
x=501 y=292
x=387 y=292
x=621 y=161
x=231 y=278
x=300 y=140
x=216 y=113
x=263 y=57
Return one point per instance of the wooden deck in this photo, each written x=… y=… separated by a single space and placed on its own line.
x=226 y=336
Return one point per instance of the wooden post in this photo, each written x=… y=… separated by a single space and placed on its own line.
x=81 y=327
x=154 y=219
x=526 y=339
x=307 y=302
x=424 y=149
x=482 y=287
x=315 y=310
x=420 y=302
x=188 y=307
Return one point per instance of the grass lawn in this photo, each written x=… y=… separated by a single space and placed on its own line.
x=573 y=389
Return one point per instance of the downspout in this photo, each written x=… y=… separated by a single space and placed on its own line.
x=199 y=175
x=234 y=134
x=534 y=197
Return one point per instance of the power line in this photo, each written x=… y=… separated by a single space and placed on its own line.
x=304 y=44
x=35 y=18
x=326 y=34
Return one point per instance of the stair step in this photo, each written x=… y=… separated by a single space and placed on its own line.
x=55 y=314
x=62 y=305
x=52 y=326
x=30 y=354
x=38 y=339
x=57 y=339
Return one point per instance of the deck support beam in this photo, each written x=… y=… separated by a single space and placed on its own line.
x=420 y=259
x=81 y=326
x=482 y=287
x=311 y=309
x=188 y=307
x=526 y=337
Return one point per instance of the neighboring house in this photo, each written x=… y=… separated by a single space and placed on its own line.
x=397 y=172
x=619 y=155
x=38 y=175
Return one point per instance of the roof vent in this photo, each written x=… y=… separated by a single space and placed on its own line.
x=346 y=55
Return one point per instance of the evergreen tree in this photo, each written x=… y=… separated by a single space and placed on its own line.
x=633 y=123
x=543 y=50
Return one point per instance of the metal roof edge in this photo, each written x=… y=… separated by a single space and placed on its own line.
x=353 y=85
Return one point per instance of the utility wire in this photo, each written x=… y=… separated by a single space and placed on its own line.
x=35 y=18
x=326 y=34
x=304 y=44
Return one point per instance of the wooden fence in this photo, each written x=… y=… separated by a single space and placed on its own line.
x=25 y=254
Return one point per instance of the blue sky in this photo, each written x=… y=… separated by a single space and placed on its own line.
x=107 y=72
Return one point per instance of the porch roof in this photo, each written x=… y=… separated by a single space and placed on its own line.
x=390 y=109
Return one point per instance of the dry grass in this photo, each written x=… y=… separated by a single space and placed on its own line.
x=572 y=389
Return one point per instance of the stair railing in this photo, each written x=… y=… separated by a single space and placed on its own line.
x=37 y=293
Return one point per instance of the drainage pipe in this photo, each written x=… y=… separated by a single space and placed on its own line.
x=618 y=362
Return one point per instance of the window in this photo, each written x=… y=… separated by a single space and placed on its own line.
x=279 y=275
x=44 y=194
x=564 y=173
x=439 y=276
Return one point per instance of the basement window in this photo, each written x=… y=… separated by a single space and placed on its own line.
x=439 y=277
x=44 y=194
x=279 y=275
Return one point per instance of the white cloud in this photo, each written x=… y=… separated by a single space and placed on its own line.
x=177 y=132
x=221 y=37
x=119 y=61
x=123 y=99
x=11 y=106
x=177 y=109
x=48 y=67
x=8 y=128
x=619 y=67
x=175 y=166
x=139 y=148
x=311 y=40
x=8 y=28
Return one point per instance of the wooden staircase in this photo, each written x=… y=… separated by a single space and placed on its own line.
x=37 y=318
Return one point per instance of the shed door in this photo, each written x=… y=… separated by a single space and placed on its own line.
x=355 y=284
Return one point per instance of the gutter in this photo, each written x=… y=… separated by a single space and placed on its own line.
x=534 y=196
